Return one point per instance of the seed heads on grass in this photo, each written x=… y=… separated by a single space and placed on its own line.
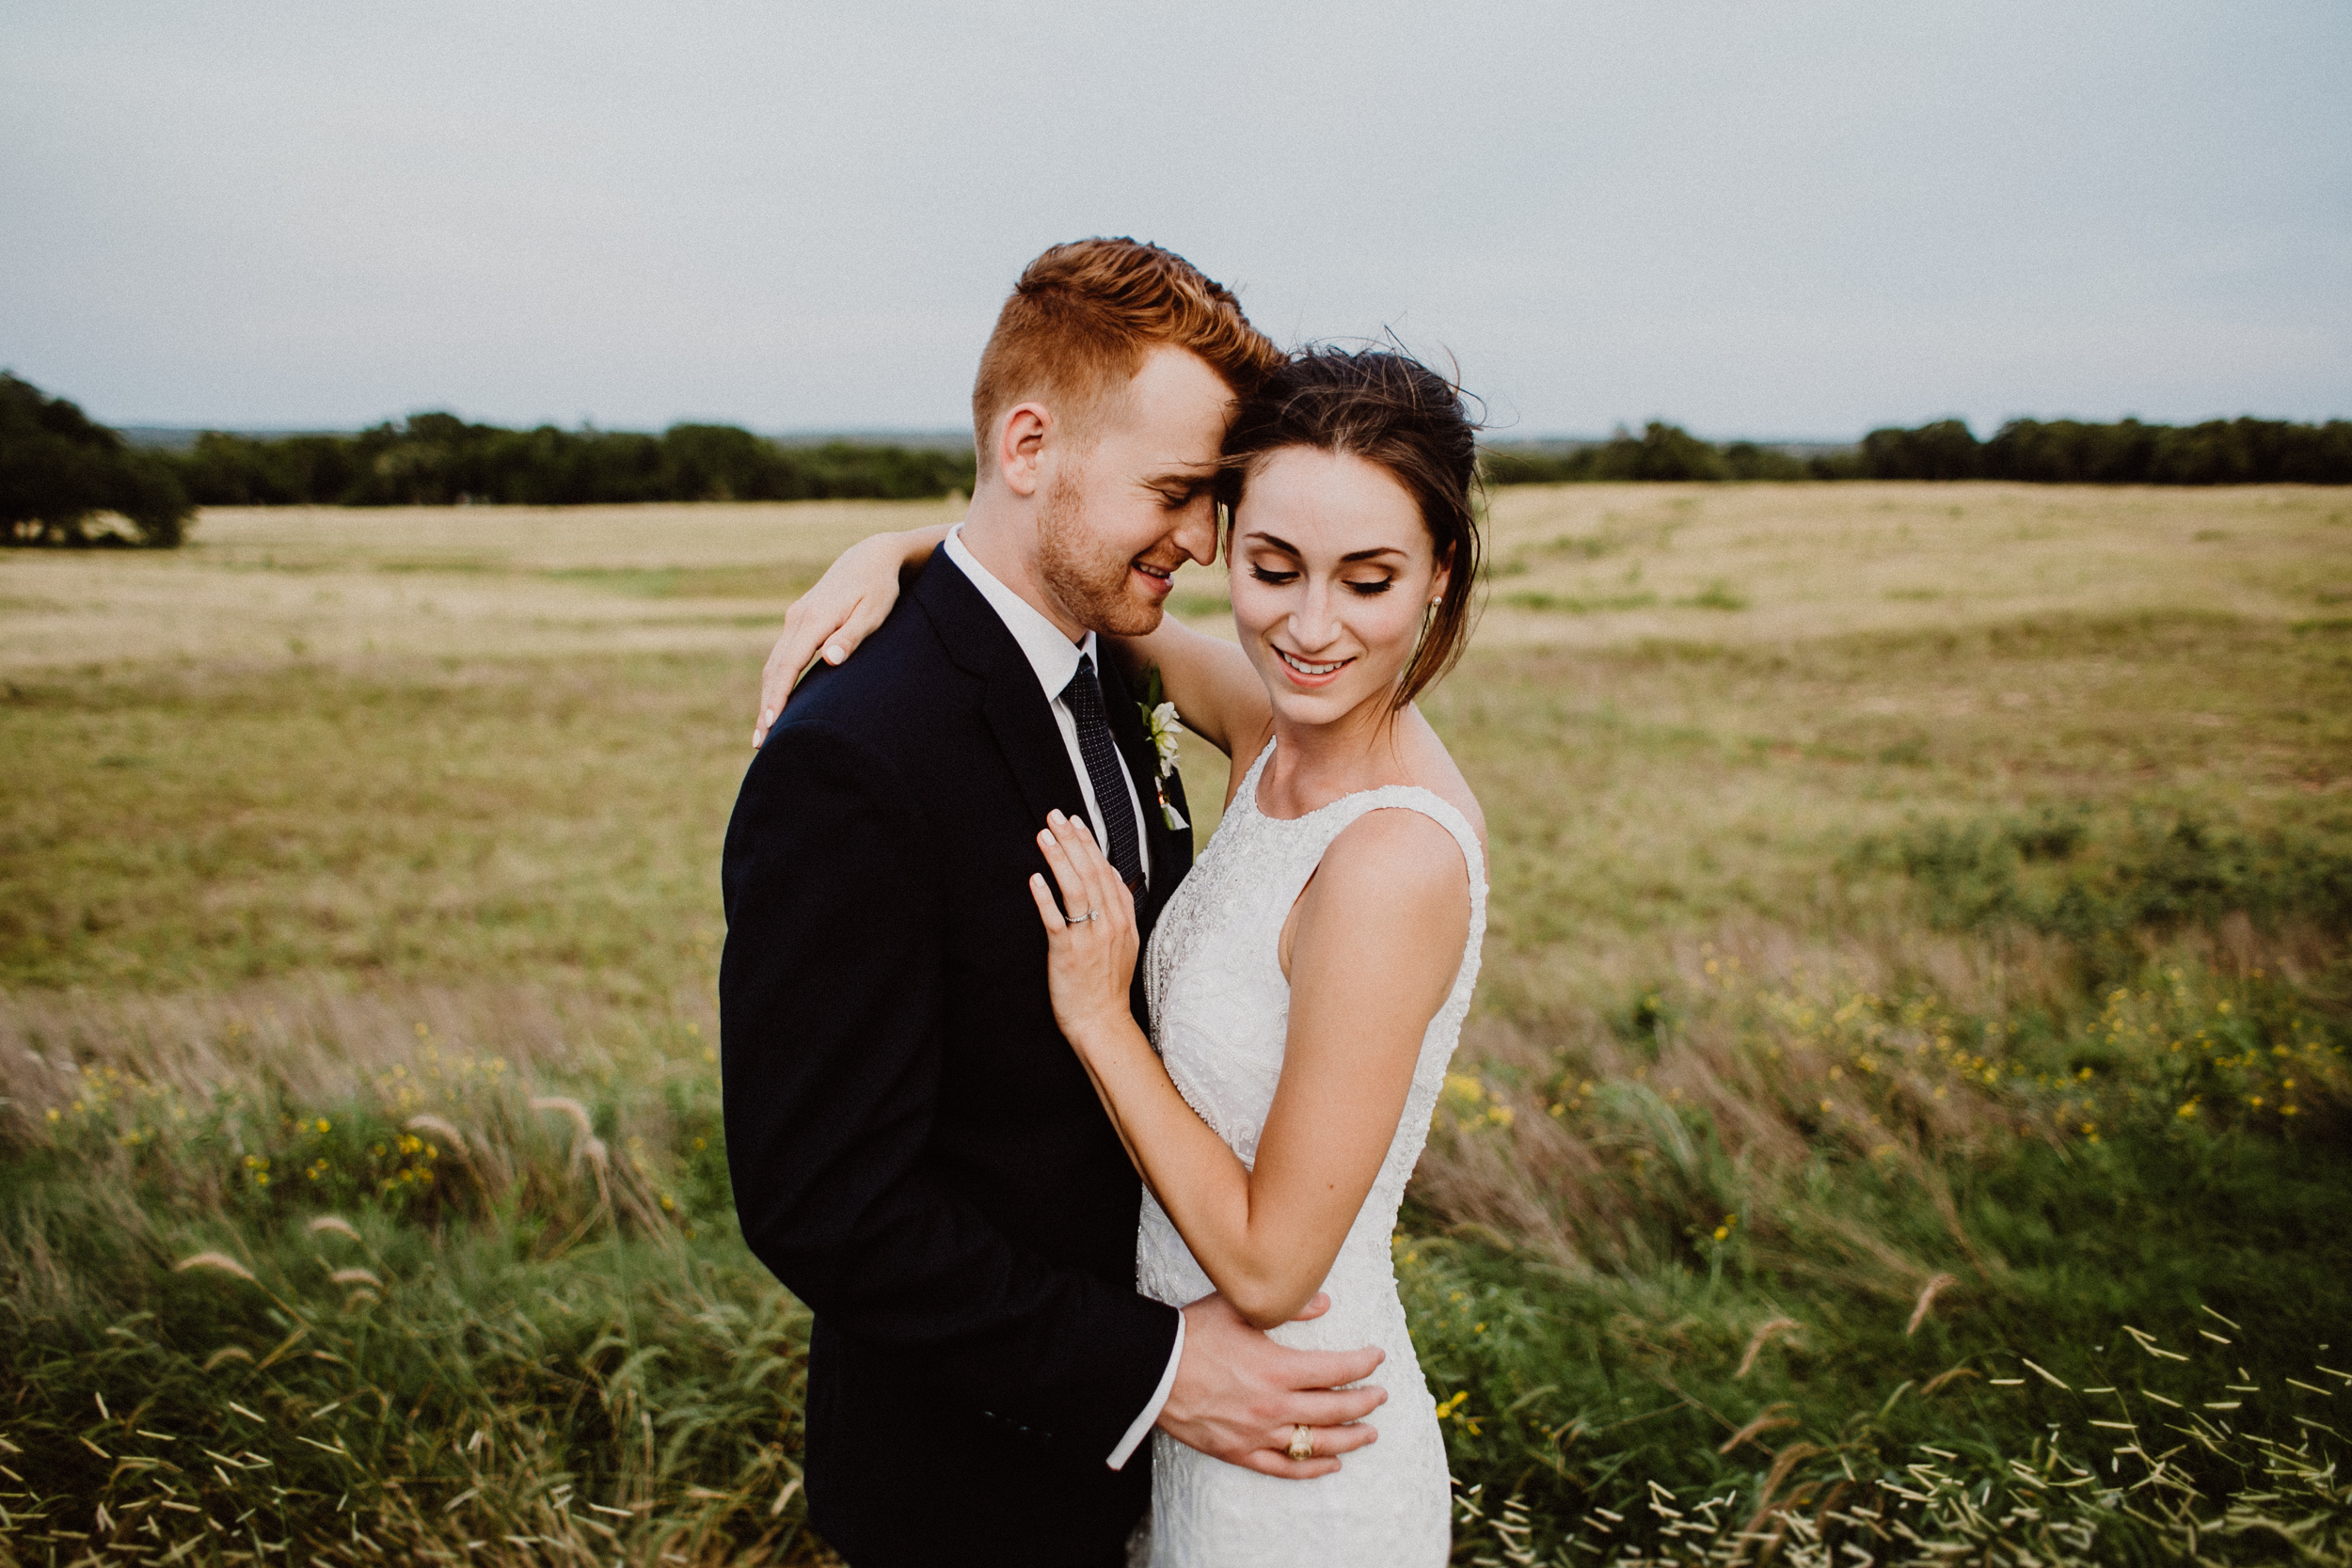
x=585 y=1144
x=1771 y=1419
x=1927 y=1299
x=1764 y=1332
x=2045 y=1375
x=446 y=1131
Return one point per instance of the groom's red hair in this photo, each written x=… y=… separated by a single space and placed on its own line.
x=1081 y=320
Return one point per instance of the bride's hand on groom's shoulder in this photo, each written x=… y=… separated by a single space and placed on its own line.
x=1090 y=938
x=852 y=598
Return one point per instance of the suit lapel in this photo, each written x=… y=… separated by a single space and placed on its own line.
x=1022 y=723
x=1015 y=709
x=1172 y=848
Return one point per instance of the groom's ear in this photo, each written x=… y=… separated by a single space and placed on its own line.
x=1021 y=447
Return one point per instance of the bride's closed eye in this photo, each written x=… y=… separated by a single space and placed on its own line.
x=1277 y=577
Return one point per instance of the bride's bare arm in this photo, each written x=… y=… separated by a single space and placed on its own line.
x=1215 y=691
x=1209 y=680
x=1378 y=939
x=840 y=611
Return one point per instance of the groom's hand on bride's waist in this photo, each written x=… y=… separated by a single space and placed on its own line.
x=1240 y=1397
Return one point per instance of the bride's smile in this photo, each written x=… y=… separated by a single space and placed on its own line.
x=1332 y=568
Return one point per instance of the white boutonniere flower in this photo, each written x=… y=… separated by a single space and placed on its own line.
x=1164 y=728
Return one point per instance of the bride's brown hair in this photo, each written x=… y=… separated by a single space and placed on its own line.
x=1393 y=410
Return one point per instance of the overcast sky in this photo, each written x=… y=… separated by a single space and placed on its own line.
x=1800 y=219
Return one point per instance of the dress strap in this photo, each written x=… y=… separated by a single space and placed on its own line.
x=1329 y=821
x=1247 y=789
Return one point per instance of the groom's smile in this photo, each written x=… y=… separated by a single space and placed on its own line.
x=1120 y=512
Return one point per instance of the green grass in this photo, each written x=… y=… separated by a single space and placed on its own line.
x=484 y=821
x=331 y=1273
x=1985 y=969
x=1890 y=1233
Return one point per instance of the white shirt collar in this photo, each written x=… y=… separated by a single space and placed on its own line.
x=1053 y=656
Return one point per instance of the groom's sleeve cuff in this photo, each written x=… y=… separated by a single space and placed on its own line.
x=1144 y=1422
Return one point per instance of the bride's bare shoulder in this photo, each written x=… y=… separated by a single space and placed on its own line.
x=1433 y=767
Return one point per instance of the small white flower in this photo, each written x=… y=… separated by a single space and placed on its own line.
x=1164 y=727
x=1161 y=723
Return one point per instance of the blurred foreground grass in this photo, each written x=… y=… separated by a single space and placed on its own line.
x=1907 y=1104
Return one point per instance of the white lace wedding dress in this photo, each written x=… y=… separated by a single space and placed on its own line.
x=1221 y=1011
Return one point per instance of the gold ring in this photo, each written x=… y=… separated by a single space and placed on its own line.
x=1302 y=1443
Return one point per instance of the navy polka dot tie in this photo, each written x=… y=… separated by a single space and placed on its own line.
x=1084 y=697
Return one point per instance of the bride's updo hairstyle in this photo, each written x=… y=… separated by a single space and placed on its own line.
x=1393 y=410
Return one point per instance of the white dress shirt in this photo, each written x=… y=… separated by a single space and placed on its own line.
x=1054 y=659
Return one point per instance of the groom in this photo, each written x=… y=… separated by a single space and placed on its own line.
x=916 y=1152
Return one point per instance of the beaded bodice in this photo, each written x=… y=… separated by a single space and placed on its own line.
x=1220 y=1015
x=1220 y=1012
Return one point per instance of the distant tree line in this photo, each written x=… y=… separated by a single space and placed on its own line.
x=2076 y=451
x=62 y=476
x=2034 y=451
x=441 y=460
x=1661 y=451
x=65 y=480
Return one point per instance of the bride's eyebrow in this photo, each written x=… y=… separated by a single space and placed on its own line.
x=1352 y=556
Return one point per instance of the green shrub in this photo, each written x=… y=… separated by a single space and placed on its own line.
x=61 y=475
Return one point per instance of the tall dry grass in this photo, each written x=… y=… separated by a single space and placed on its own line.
x=422 y=1274
x=1600 y=1137
x=1681 y=1261
x=357 y=914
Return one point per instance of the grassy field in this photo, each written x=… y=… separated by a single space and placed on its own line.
x=1906 y=1104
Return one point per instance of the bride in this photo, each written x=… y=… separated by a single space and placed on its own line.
x=1307 y=981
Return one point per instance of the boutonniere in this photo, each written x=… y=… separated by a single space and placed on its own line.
x=1161 y=723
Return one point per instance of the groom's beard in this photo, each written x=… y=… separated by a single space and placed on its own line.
x=1088 y=577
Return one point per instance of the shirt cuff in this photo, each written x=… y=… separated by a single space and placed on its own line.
x=1150 y=1416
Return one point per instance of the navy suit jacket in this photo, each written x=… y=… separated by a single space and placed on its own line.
x=916 y=1152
